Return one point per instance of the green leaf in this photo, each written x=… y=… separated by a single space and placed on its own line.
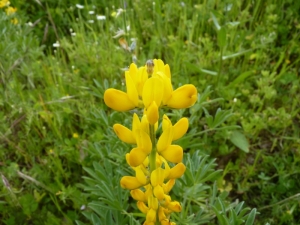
x=28 y=203
x=216 y=23
x=222 y=37
x=240 y=141
x=251 y=217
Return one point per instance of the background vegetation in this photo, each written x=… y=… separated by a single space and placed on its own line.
x=60 y=161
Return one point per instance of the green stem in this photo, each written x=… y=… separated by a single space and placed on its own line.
x=152 y=157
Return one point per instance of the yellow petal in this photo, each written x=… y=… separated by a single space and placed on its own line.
x=180 y=128
x=177 y=171
x=158 y=191
x=153 y=91
x=130 y=183
x=136 y=123
x=131 y=90
x=142 y=207
x=145 y=124
x=124 y=134
x=133 y=72
x=151 y=216
x=143 y=141
x=168 y=89
x=168 y=71
x=161 y=215
x=168 y=186
x=136 y=157
x=173 y=153
x=138 y=195
x=183 y=97
x=152 y=202
x=166 y=123
x=142 y=77
x=152 y=113
x=118 y=100
x=165 y=139
x=174 y=206
x=157 y=177
x=140 y=175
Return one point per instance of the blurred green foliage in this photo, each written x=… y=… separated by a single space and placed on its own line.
x=243 y=56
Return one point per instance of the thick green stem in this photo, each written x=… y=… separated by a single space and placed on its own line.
x=152 y=157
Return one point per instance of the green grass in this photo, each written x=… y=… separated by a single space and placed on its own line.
x=243 y=57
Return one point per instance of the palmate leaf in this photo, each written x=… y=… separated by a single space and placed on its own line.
x=103 y=184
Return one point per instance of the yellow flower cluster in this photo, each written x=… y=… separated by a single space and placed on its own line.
x=150 y=88
x=8 y=10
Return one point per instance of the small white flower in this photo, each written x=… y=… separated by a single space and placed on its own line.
x=119 y=11
x=235 y=100
x=91 y=21
x=91 y=12
x=119 y=33
x=79 y=6
x=128 y=28
x=73 y=34
x=56 y=44
x=101 y=17
x=30 y=24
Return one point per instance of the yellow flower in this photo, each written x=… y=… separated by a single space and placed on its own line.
x=75 y=135
x=14 y=21
x=4 y=3
x=10 y=10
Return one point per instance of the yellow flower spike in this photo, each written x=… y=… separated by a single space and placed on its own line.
x=118 y=100
x=152 y=113
x=173 y=153
x=138 y=195
x=180 y=128
x=151 y=216
x=131 y=90
x=129 y=182
x=153 y=91
x=137 y=156
x=10 y=10
x=143 y=141
x=158 y=192
x=177 y=171
x=168 y=186
x=142 y=207
x=174 y=206
x=165 y=139
x=183 y=97
x=124 y=134
x=157 y=177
